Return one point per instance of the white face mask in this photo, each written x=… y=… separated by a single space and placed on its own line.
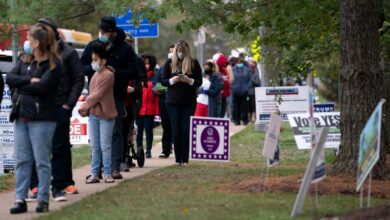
x=170 y=55
x=180 y=55
x=96 y=67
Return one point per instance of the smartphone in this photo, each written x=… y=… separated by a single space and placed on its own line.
x=180 y=75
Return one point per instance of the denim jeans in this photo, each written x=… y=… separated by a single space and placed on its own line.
x=145 y=123
x=33 y=141
x=117 y=136
x=61 y=161
x=180 y=120
x=100 y=131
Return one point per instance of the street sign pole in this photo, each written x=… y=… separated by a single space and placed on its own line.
x=136 y=45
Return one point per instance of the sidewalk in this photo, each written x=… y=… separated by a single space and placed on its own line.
x=7 y=199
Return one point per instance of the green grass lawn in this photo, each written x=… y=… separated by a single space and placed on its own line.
x=81 y=157
x=200 y=191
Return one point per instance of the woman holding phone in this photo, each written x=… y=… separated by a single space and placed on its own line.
x=182 y=75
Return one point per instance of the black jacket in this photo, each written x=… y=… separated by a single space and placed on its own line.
x=121 y=57
x=72 y=78
x=181 y=93
x=34 y=101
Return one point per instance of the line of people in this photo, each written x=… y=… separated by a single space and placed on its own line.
x=124 y=90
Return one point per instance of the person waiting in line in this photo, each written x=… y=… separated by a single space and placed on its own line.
x=228 y=78
x=182 y=75
x=255 y=79
x=165 y=121
x=122 y=60
x=34 y=114
x=240 y=89
x=68 y=92
x=216 y=86
x=100 y=106
x=149 y=107
x=202 y=101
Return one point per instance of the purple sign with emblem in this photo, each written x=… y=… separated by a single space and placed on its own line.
x=209 y=140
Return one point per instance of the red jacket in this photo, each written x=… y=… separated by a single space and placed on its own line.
x=149 y=104
x=222 y=62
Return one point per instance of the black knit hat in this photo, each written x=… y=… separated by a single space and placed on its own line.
x=108 y=24
x=51 y=23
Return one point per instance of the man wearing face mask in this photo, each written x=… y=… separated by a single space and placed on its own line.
x=122 y=60
x=165 y=122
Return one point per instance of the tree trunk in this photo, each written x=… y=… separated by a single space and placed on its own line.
x=361 y=77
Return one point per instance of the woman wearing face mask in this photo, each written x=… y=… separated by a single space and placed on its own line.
x=100 y=106
x=216 y=86
x=34 y=114
x=240 y=89
x=182 y=75
x=149 y=107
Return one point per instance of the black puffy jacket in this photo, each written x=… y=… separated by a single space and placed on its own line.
x=72 y=78
x=121 y=57
x=35 y=101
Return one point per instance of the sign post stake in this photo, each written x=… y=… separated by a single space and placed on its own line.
x=369 y=191
x=361 y=196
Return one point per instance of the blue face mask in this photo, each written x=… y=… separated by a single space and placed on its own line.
x=240 y=65
x=103 y=38
x=27 y=48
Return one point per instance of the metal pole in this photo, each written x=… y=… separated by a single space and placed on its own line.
x=136 y=45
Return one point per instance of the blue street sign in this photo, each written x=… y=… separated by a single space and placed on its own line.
x=144 y=30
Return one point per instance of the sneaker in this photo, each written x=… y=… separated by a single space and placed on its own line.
x=163 y=156
x=20 y=206
x=42 y=206
x=116 y=175
x=59 y=196
x=71 y=190
x=33 y=196
x=124 y=167
x=148 y=155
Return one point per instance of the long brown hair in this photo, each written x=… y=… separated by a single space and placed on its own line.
x=47 y=42
x=186 y=63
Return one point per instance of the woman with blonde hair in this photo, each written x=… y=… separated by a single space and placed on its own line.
x=34 y=114
x=182 y=75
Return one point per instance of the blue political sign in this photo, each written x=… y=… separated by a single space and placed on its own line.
x=325 y=107
x=144 y=30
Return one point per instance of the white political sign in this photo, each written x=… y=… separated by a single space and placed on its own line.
x=78 y=132
x=300 y=125
x=272 y=136
x=293 y=100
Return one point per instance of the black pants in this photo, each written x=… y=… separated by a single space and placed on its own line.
x=128 y=124
x=180 y=119
x=240 y=108
x=61 y=162
x=167 y=128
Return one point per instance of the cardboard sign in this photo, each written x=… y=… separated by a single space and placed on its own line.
x=209 y=139
x=78 y=131
x=300 y=125
x=294 y=99
x=369 y=145
x=272 y=136
x=310 y=170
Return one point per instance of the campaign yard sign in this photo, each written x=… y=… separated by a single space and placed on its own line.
x=78 y=131
x=7 y=158
x=294 y=99
x=369 y=145
x=300 y=125
x=270 y=147
x=209 y=139
x=325 y=107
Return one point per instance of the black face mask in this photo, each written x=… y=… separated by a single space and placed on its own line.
x=208 y=71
